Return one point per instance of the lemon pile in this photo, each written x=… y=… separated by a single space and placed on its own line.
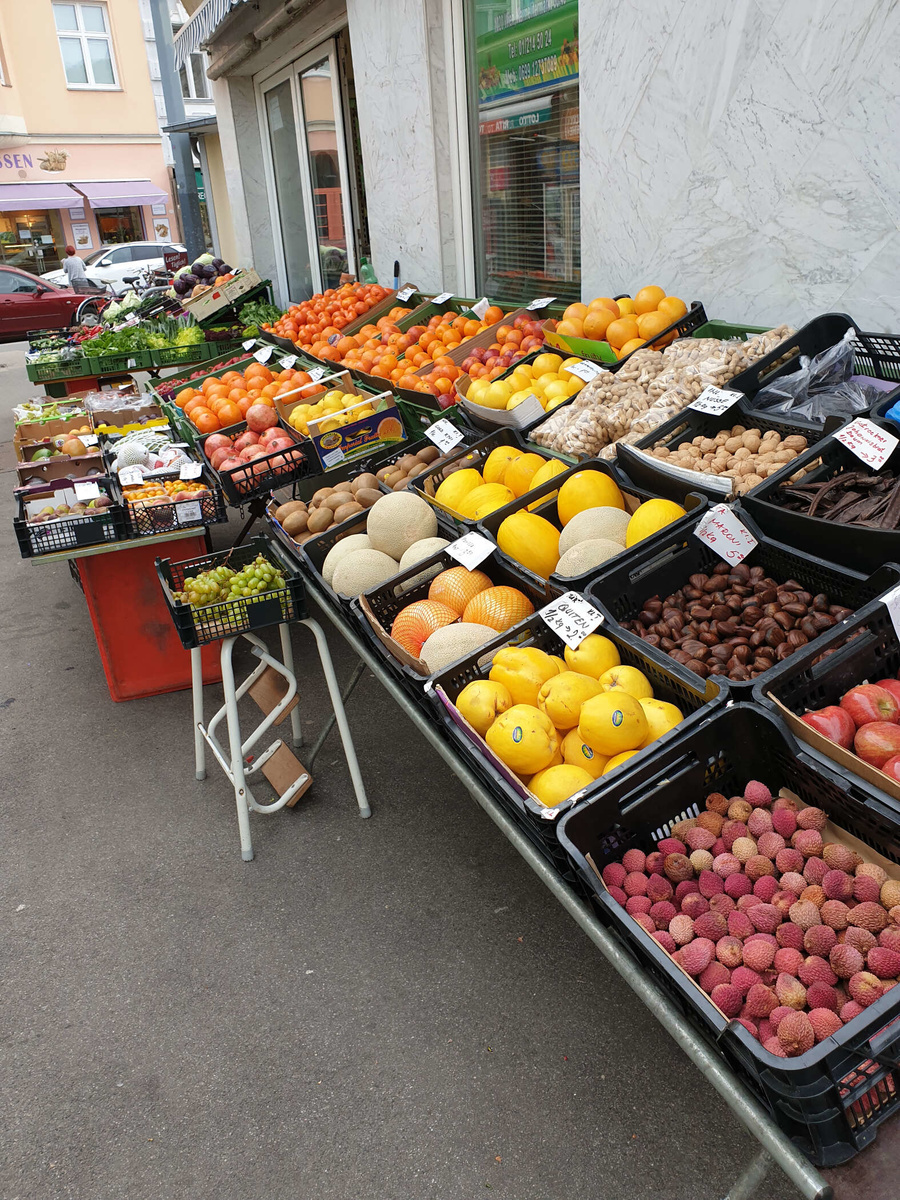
x=335 y=406
x=559 y=724
x=547 y=377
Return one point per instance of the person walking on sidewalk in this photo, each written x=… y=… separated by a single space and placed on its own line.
x=75 y=272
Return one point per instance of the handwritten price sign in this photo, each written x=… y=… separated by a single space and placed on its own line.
x=470 y=551
x=444 y=434
x=715 y=400
x=872 y=445
x=571 y=618
x=722 y=530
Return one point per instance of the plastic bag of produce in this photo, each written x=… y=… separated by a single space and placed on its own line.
x=820 y=388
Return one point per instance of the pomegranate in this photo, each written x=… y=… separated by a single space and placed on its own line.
x=260 y=417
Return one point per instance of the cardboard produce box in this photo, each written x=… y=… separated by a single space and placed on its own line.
x=358 y=437
x=221 y=295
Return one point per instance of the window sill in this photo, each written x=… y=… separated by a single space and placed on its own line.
x=93 y=87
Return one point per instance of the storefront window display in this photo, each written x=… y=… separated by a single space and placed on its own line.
x=120 y=224
x=523 y=70
x=33 y=241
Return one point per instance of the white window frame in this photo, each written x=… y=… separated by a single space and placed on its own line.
x=191 y=93
x=82 y=36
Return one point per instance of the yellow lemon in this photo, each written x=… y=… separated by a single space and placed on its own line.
x=522 y=670
x=547 y=362
x=457 y=486
x=626 y=306
x=519 y=397
x=497 y=394
x=577 y=754
x=612 y=722
x=595 y=656
x=652 y=516
x=661 y=717
x=627 y=679
x=524 y=738
x=497 y=461
x=562 y=696
x=587 y=489
x=618 y=759
x=555 y=784
x=482 y=701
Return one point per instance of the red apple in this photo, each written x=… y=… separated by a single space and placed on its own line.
x=833 y=722
x=877 y=741
x=890 y=685
x=249 y=438
x=892 y=767
x=869 y=702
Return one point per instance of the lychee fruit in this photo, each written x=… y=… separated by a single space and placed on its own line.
x=850 y=1010
x=662 y=913
x=825 y=1023
x=777 y=1015
x=790 y=991
x=677 y=867
x=687 y=887
x=710 y=925
x=873 y=871
x=730 y=952
x=865 y=988
x=682 y=929
x=714 y=975
x=670 y=845
x=816 y=969
x=613 y=875
x=743 y=978
x=743 y=849
x=890 y=893
x=815 y=870
x=787 y=959
x=865 y=888
x=618 y=895
x=721 y=904
x=748 y=1024
x=812 y=818
x=759 y=822
x=793 y=881
x=731 y=831
x=739 y=809
x=635 y=884
x=868 y=916
x=787 y=802
x=838 y=885
x=795 y=1033
x=784 y=821
x=745 y=903
x=637 y=904
x=860 y=938
x=890 y=938
x=883 y=963
x=698 y=839
x=775 y=1047
x=718 y=847
x=727 y=998
x=835 y=914
x=654 y=864
x=710 y=884
x=765 y=887
x=725 y=865
x=770 y=843
x=818 y=940
x=697 y=955
x=805 y=914
x=717 y=803
x=757 y=794
x=820 y=995
x=665 y=940
x=808 y=842
x=758 y=955
x=757 y=866
x=659 y=888
x=765 y=1029
x=738 y=885
x=783 y=900
x=840 y=858
x=712 y=821
x=739 y=924
x=789 y=934
x=645 y=921
x=701 y=860
x=694 y=905
x=634 y=860
x=765 y=917
x=845 y=961
x=760 y=999
x=815 y=894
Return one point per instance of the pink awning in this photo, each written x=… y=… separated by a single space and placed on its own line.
x=15 y=197
x=120 y=192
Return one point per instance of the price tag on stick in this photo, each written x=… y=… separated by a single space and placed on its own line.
x=444 y=434
x=871 y=445
x=542 y=302
x=715 y=400
x=572 y=618
x=721 y=529
x=442 y=298
x=250 y=343
x=316 y=373
x=481 y=307
x=263 y=354
x=405 y=293
x=190 y=470
x=470 y=551
x=288 y=361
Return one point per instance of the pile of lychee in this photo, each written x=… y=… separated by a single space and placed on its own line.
x=786 y=933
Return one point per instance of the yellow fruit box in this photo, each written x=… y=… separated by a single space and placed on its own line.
x=354 y=437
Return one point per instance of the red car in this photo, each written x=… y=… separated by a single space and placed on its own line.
x=27 y=302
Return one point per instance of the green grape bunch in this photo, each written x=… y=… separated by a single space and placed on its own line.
x=222 y=584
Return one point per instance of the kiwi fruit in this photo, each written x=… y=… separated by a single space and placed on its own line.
x=380 y=474
x=419 y=470
x=320 y=497
x=429 y=454
x=367 y=496
x=406 y=463
x=346 y=511
x=337 y=499
x=285 y=510
x=401 y=483
x=320 y=520
x=394 y=477
x=364 y=482
x=295 y=522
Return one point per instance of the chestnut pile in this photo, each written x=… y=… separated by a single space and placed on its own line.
x=736 y=622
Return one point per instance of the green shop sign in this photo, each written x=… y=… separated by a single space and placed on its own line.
x=525 y=55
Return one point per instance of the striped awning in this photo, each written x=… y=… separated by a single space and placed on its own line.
x=201 y=26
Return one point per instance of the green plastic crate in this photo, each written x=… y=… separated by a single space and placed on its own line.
x=114 y=364
x=725 y=330
x=168 y=356
x=48 y=372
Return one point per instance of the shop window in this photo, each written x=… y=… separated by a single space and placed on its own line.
x=85 y=45
x=119 y=224
x=523 y=69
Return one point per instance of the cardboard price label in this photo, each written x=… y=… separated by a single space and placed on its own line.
x=481 y=307
x=188 y=512
x=444 y=434
x=471 y=550
x=715 y=400
x=572 y=618
x=540 y=303
x=585 y=370
x=871 y=445
x=86 y=491
x=190 y=470
x=250 y=343
x=405 y=293
x=288 y=361
x=263 y=354
x=130 y=475
x=722 y=530
x=442 y=298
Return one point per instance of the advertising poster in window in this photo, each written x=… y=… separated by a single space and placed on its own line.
x=536 y=47
x=81 y=237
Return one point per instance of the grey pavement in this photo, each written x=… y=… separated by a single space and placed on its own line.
x=371 y=1010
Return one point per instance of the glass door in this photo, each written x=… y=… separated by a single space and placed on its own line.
x=286 y=189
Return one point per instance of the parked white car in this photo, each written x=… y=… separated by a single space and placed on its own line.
x=110 y=264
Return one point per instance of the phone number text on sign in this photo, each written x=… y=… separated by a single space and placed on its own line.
x=725 y=533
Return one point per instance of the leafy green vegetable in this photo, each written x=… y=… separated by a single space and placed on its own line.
x=257 y=312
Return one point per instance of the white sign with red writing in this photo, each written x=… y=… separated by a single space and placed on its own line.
x=722 y=530
x=872 y=445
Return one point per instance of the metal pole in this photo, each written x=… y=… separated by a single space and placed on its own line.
x=745 y=1106
x=185 y=178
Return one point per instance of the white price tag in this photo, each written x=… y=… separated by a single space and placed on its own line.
x=89 y=439
x=584 y=370
x=130 y=475
x=442 y=298
x=188 y=512
x=263 y=354
x=86 y=491
x=316 y=373
x=872 y=445
x=471 y=550
x=891 y=602
x=715 y=401
x=540 y=303
x=288 y=361
x=481 y=307
x=444 y=434
x=190 y=470
x=572 y=618
x=250 y=343
x=406 y=293
x=332 y=458
x=722 y=530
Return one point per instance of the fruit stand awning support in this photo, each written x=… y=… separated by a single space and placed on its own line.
x=117 y=193
x=15 y=197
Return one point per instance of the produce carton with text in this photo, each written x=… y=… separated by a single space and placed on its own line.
x=367 y=425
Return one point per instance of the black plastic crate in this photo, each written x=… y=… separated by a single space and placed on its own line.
x=198 y=626
x=881 y=408
x=262 y=475
x=875 y=354
x=382 y=604
x=667 y=564
x=830 y=1100
x=67 y=533
x=651 y=472
x=696 y=698
x=145 y=520
x=861 y=547
x=693 y=504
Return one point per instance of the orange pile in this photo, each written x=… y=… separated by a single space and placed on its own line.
x=221 y=401
x=625 y=324
x=310 y=324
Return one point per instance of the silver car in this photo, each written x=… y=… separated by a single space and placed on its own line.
x=109 y=265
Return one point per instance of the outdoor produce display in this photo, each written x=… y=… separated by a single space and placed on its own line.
x=202 y=274
x=859 y=497
x=224 y=400
x=336 y=408
x=329 y=506
x=867 y=720
x=311 y=324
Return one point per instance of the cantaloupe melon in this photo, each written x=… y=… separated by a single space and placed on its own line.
x=423 y=548
x=398 y=521
x=356 y=541
x=362 y=569
x=452 y=642
x=595 y=523
x=586 y=555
